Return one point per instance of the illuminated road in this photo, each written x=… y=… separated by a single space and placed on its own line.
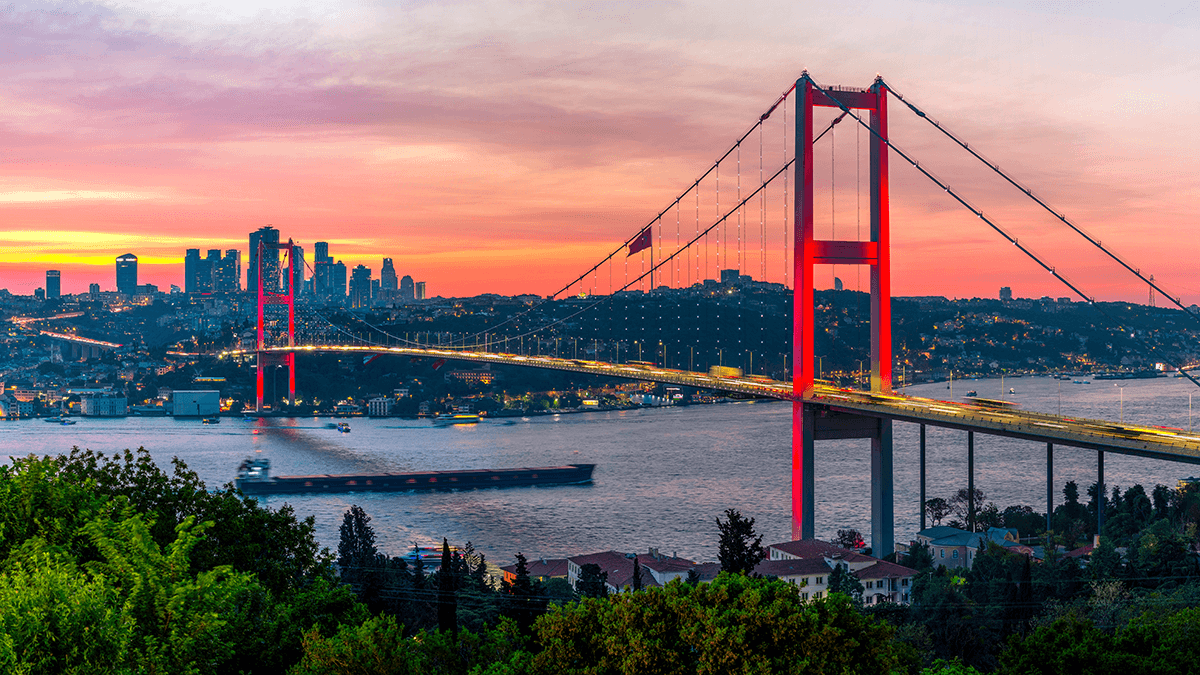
x=1159 y=443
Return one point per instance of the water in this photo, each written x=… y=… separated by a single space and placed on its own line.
x=662 y=476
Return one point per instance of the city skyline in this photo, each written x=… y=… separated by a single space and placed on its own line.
x=532 y=143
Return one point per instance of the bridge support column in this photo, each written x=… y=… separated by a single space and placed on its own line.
x=1100 y=492
x=803 y=496
x=883 y=521
x=971 y=481
x=922 y=504
x=1049 y=484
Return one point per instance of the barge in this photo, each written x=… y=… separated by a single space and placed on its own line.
x=254 y=478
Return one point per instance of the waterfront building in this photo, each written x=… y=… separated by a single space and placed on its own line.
x=380 y=406
x=542 y=569
x=808 y=563
x=953 y=547
x=127 y=274
x=53 y=284
x=103 y=405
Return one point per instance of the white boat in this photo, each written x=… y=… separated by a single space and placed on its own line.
x=343 y=427
x=457 y=418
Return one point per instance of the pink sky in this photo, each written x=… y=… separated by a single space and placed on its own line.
x=505 y=147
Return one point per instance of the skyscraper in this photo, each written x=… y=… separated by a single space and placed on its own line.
x=419 y=290
x=53 y=284
x=191 y=270
x=321 y=252
x=94 y=290
x=127 y=274
x=270 y=263
x=337 y=277
x=227 y=277
x=360 y=287
x=298 y=270
x=406 y=288
x=387 y=276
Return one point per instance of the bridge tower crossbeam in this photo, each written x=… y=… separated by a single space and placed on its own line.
x=811 y=422
x=274 y=296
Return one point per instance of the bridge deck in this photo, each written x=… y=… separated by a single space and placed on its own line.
x=1158 y=443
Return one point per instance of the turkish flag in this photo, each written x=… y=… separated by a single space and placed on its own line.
x=642 y=241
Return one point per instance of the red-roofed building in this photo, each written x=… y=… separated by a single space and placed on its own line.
x=542 y=569
x=886 y=582
x=657 y=569
x=811 y=574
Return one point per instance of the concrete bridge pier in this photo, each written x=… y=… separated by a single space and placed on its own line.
x=1049 y=484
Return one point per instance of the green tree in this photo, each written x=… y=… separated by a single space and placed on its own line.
x=637 y=575
x=842 y=580
x=447 y=589
x=736 y=624
x=739 y=548
x=593 y=582
x=938 y=509
x=919 y=557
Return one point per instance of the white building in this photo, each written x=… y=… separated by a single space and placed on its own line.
x=103 y=405
x=380 y=407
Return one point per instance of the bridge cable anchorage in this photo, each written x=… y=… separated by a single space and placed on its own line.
x=1024 y=249
x=1029 y=193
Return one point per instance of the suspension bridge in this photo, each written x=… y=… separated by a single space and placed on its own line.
x=776 y=184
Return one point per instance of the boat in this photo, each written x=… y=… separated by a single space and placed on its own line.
x=457 y=418
x=972 y=393
x=254 y=478
x=1011 y=390
x=343 y=427
x=211 y=420
x=60 y=420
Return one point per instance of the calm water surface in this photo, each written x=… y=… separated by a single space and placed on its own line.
x=661 y=477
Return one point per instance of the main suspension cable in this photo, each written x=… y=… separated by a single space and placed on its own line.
x=1029 y=193
x=961 y=200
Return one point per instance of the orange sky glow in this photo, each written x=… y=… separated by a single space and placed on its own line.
x=498 y=146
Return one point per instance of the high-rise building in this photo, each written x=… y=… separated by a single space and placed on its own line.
x=227 y=276
x=360 y=287
x=337 y=278
x=94 y=290
x=192 y=263
x=127 y=278
x=406 y=288
x=419 y=290
x=298 y=269
x=1005 y=293
x=270 y=263
x=387 y=276
x=53 y=284
x=321 y=252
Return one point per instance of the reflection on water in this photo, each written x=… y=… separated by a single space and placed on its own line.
x=661 y=476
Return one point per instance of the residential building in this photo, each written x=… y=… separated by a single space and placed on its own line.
x=380 y=407
x=541 y=569
x=127 y=274
x=808 y=562
x=619 y=567
x=103 y=405
x=953 y=547
x=419 y=290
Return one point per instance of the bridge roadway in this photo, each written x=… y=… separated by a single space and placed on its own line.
x=1128 y=439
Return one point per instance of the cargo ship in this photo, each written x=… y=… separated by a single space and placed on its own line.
x=253 y=478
